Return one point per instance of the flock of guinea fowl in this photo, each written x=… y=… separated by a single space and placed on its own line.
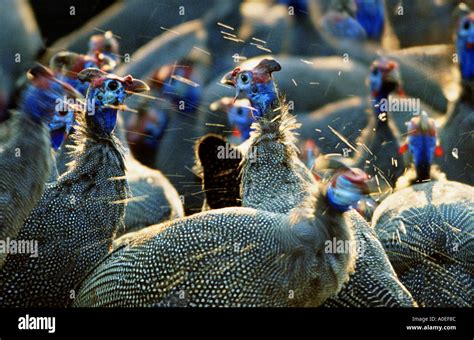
x=240 y=170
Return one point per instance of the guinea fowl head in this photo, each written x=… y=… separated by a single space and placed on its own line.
x=106 y=94
x=256 y=85
x=177 y=84
x=52 y=101
x=67 y=65
x=239 y=115
x=346 y=188
x=465 y=46
x=339 y=23
x=384 y=78
x=105 y=44
x=371 y=16
x=423 y=144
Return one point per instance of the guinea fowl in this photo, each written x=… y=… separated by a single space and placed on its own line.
x=236 y=257
x=105 y=44
x=457 y=128
x=77 y=216
x=239 y=117
x=270 y=147
x=26 y=160
x=274 y=180
x=270 y=156
x=378 y=151
x=153 y=199
x=376 y=136
x=345 y=34
x=426 y=226
x=67 y=66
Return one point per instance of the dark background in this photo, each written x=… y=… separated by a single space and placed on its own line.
x=54 y=24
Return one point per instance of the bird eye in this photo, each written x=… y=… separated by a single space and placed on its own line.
x=466 y=25
x=375 y=71
x=100 y=97
x=244 y=78
x=113 y=85
x=62 y=113
x=239 y=111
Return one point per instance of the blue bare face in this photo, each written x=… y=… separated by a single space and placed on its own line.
x=375 y=80
x=344 y=194
x=465 y=46
x=260 y=94
x=242 y=118
x=107 y=98
x=370 y=15
x=48 y=105
x=60 y=126
x=181 y=92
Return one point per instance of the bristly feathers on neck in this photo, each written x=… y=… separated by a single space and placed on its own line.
x=86 y=137
x=272 y=158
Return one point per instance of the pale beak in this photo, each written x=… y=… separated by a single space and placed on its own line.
x=228 y=79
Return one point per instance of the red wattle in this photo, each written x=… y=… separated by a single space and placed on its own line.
x=439 y=151
x=236 y=132
x=403 y=149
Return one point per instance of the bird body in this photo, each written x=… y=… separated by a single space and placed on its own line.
x=426 y=230
x=208 y=237
x=77 y=216
x=426 y=226
x=25 y=142
x=231 y=257
x=23 y=178
x=273 y=179
x=153 y=199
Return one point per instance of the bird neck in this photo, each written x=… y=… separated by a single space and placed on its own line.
x=422 y=148
x=265 y=100
x=100 y=120
x=423 y=171
x=271 y=179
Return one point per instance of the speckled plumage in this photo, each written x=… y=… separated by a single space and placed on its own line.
x=25 y=163
x=374 y=282
x=77 y=216
x=275 y=180
x=74 y=223
x=273 y=177
x=427 y=231
x=226 y=257
x=153 y=198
